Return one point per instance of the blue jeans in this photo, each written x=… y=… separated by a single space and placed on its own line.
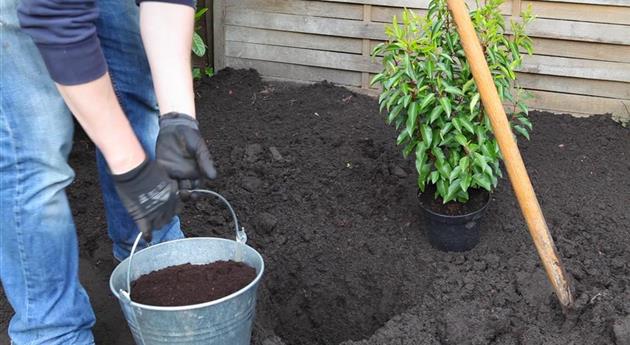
x=38 y=241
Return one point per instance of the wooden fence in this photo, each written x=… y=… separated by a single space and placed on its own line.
x=582 y=47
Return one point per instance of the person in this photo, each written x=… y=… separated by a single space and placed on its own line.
x=110 y=63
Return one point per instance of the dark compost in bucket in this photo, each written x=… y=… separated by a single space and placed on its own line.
x=189 y=284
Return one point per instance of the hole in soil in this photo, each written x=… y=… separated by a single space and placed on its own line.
x=327 y=303
x=320 y=287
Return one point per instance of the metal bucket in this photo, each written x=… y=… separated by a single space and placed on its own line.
x=226 y=321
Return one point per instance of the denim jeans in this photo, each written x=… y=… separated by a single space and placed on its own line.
x=38 y=241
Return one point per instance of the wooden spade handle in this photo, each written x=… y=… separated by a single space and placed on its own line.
x=511 y=155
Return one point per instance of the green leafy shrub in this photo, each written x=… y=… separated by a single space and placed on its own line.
x=430 y=95
x=198 y=45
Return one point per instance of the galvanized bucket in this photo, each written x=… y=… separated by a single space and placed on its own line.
x=226 y=321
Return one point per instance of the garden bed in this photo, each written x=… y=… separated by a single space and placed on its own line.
x=326 y=197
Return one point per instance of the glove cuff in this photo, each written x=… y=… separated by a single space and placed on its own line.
x=133 y=173
x=178 y=119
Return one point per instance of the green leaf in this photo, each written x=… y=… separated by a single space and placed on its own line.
x=522 y=131
x=409 y=148
x=464 y=163
x=200 y=13
x=465 y=182
x=447 y=127
x=453 y=90
x=461 y=139
x=435 y=113
x=394 y=113
x=406 y=100
x=426 y=101
x=467 y=124
x=392 y=99
x=383 y=97
x=481 y=161
x=412 y=117
x=453 y=188
x=473 y=102
x=483 y=181
x=198 y=47
x=377 y=78
x=443 y=167
x=421 y=154
x=409 y=68
x=454 y=173
x=446 y=104
x=525 y=121
x=402 y=137
x=468 y=84
x=434 y=176
x=441 y=188
x=457 y=124
x=427 y=134
x=196 y=73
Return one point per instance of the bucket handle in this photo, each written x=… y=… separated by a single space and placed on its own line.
x=241 y=236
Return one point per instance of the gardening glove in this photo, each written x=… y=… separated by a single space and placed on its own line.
x=149 y=196
x=183 y=153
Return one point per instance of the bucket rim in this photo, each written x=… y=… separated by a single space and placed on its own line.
x=191 y=306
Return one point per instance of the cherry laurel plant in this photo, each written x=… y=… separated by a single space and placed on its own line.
x=430 y=95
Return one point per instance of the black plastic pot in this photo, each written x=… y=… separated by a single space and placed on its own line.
x=453 y=233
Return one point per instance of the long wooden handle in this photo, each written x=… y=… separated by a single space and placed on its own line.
x=511 y=155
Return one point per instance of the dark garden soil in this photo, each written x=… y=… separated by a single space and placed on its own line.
x=191 y=284
x=326 y=197
x=477 y=199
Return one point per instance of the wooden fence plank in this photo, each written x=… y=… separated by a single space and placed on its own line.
x=392 y=3
x=601 y=88
x=299 y=56
x=506 y=7
x=305 y=24
x=547 y=28
x=293 y=39
x=584 y=50
x=579 y=31
x=597 y=2
x=218 y=19
x=297 y=72
x=586 y=69
x=580 y=12
x=309 y=8
x=580 y=105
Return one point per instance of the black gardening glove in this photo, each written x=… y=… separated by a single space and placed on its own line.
x=149 y=196
x=183 y=153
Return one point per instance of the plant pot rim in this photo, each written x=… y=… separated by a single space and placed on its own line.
x=481 y=209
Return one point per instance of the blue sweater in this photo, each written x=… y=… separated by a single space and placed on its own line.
x=65 y=33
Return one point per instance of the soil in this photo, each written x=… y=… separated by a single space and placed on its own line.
x=191 y=284
x=477 y=199
x=326 y=197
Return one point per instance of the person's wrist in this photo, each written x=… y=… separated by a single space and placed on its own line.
x=124 y=162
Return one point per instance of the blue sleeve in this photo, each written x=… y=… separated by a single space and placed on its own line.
x=65 y=33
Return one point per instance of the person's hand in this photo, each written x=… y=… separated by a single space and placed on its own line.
x=149 y=196
x=182 y=151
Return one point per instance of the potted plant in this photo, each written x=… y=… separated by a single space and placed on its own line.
x=430 y=96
